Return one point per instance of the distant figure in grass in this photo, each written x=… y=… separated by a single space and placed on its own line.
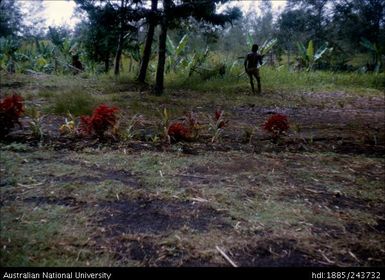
x=251 y=67
x=78 y=66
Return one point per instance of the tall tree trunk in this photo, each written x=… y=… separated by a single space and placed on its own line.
x=120 y=41
x=148 y=44
x=107 y=64
x=162 y=49
x=161 y=60
x=118 y=55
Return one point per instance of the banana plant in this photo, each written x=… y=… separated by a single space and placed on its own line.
x=308 y=56
x=8 y=54
x=197 y=60
x=44 y=56
x=267 y=46
x=133 y=51
x=175 y=52
x=375 y=52
x=249 y=40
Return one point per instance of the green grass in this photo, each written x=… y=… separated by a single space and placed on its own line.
x=75 y=102
x=283 y=80
x=46 y=236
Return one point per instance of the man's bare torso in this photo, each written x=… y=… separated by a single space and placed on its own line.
x=252 y=60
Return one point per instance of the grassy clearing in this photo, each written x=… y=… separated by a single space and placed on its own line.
x=132 y=204
x=284 y=81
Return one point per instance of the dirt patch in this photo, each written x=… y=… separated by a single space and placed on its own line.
x=354 y=130
x=380 y=226
x=65 y=201
x=236 y=165
x=348 y=147
x=143 y=251
x=328 y=199
x=71 y=179
x=158 y=217
x=372 y=256
x=123 y=176
x=101 y=174
x=362 y=229
x=149 y=251
x=197 y=175
x=277 y=253
x=323 y=230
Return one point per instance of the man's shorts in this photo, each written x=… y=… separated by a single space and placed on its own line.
x=253 y=71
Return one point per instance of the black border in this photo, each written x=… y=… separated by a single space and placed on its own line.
x=234 y=273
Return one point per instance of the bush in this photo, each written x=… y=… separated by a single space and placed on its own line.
x=11 y=108
x=76 y=103
x=102 y=119
x=178 y=131
x=187 y=130
x=277 y=124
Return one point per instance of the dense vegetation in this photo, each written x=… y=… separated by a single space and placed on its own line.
x=187 y=38
x=134 y=139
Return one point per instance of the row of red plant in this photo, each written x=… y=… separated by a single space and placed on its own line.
x=104 y=119
x=11 y=109
x=276 y=124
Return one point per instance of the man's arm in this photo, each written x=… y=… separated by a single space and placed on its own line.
x=245 y=63
x=260 y=59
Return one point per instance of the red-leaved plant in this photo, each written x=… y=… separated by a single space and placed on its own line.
x=277 y=125
x=178 y=131
x=11 y=108
x=102 y=119
x=221 y=123
x=187 y=130
x=216 y=125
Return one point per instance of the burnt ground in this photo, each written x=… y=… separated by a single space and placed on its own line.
x=288 y=209
x=314 y=198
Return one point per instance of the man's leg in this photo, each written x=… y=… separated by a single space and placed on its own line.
x=259 y=85
x=251 y=82
x=258 y=78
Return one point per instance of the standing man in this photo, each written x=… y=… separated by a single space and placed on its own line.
x=76 y=64
x=251 y=67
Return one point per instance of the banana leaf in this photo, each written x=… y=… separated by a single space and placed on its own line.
x=302 y=50
x=310 y=51
x=170 y=46
x=268 y=45
x=367 y=44
x=249 y=40
x=181 y=45
x=320 y=52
